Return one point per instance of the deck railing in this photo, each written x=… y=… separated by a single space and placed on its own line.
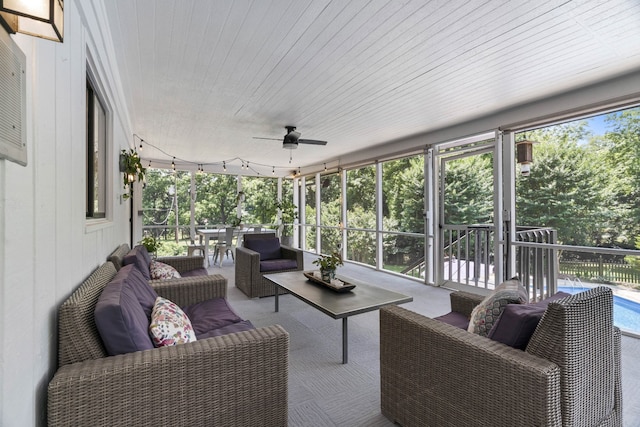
x=537 y=265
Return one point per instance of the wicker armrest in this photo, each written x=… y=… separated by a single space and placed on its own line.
x=293 y=253
x=248 y=262
x=183 y=263
x=464 y=302
x=190 y=290
x=447 y=374
x=237 y=379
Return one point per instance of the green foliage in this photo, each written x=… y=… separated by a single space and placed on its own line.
x=329 y=262
x=289 y=215
x=469 y=190
x=564 y=189
x=132 y=169
x=403 y=194
x=260 y=193
x=170 y=248
x=151 y=243
x=634 y=261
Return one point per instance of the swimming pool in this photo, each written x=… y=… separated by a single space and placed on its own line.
x=626 y=313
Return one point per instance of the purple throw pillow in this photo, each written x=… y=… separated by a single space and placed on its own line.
x=516 y=324
x=120 y=319
x=140 y=258
x=267 y=248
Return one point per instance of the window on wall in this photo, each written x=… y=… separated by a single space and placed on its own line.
x=361 y=215
x=310 y=213
x=330 y=213
x=96 y=155
x=402 y=210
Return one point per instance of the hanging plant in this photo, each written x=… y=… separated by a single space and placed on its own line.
x=132 y=169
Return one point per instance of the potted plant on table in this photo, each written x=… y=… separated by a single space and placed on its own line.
x=328 y=265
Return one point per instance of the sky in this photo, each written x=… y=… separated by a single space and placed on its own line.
x=598 y=125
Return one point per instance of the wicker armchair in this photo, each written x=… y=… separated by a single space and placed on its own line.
x=237 y=379
x=249 y=278
x=434 y=374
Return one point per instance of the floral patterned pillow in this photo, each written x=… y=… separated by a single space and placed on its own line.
x=169 y=324
x=160 y=270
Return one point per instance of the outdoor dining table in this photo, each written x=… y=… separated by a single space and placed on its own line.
x=208 y=234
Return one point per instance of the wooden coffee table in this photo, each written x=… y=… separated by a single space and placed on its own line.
x=361 y=299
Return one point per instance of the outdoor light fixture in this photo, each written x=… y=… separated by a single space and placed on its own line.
x=524 y=155
x=40 y=18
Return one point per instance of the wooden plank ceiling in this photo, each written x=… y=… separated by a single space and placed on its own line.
x=203 y=78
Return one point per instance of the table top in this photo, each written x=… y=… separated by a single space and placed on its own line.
x=361 y=299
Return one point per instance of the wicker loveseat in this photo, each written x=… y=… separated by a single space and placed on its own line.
x=436 y=374
x=238 y=379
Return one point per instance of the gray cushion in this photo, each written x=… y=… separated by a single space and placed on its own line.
x=120 y=319
x=267 y=248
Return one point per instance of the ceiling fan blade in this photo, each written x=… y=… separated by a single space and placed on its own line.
x=270 y=139
x=312 y=141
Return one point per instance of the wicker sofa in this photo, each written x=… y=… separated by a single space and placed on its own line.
x=249 y=265
x=436 y=374
x=239 y=379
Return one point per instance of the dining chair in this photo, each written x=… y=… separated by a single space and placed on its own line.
x=226 y=246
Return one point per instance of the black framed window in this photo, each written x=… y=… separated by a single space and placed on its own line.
x=96 y=155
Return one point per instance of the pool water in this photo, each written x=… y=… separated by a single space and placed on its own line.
x=626 y=313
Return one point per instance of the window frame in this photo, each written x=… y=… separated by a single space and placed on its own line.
x=93 y=87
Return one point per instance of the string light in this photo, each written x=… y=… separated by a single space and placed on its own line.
x=200 y=166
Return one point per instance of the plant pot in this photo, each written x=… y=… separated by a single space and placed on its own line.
x=328 y=275
x=286 y=240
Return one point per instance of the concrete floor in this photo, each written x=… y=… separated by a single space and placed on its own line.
x=432 y=301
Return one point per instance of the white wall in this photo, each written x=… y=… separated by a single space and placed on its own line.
x=46 y=249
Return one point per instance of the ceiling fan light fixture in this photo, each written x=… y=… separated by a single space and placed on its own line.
x=291 y=145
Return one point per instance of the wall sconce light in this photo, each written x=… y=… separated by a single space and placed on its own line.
x=40 y=18
x=524 y=156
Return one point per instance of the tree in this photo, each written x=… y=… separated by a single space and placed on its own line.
x=469 y=190
x=563 y=190
x=622 y=187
